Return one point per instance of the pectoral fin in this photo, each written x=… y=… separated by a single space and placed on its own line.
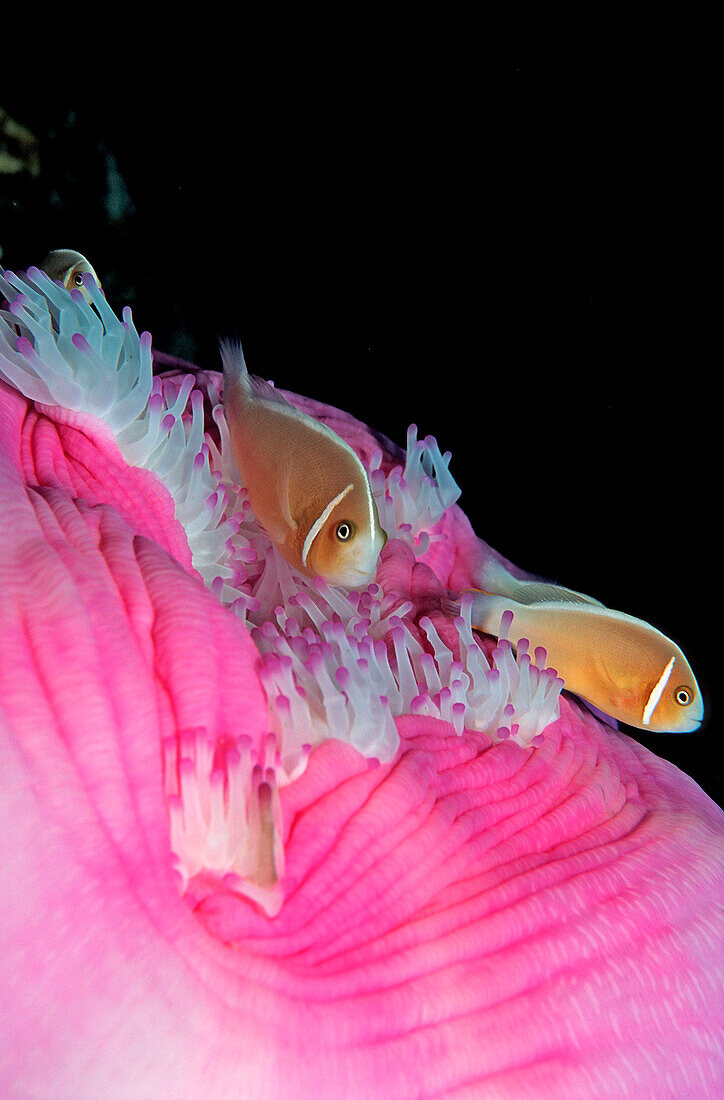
x=607 y=678
x=284 y=476
x=619 y=691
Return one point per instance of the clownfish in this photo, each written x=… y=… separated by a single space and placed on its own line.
x=623 y=666
x=306 y=486
x=68 y=267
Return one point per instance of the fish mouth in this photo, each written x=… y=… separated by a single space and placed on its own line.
x=347 y=579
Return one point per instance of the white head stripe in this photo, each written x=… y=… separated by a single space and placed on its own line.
x=320 y=522
x=657 y=692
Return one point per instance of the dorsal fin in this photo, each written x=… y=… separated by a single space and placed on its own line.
x=236 y=375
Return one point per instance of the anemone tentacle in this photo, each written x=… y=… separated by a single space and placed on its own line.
x=58 y=349
x=224 y=813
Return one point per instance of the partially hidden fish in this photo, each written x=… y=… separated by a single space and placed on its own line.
x=306 y=486
x=68 y=267
x=622 y=665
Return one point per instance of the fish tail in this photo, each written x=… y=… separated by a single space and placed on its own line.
x=487 y=610
x=494 y=577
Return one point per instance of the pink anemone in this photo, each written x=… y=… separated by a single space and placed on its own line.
x=228 y=871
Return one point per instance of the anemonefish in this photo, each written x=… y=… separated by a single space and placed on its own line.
x=306 y=486
x=68 y=267
x=623 y=666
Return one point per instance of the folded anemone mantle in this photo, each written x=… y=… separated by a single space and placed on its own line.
x=266 y=838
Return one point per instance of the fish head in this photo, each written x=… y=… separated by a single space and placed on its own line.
x=346 y=548
x=68 y=267
x=676 y=705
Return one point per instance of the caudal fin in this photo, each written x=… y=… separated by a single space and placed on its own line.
x=486 y=610
x=495 y=578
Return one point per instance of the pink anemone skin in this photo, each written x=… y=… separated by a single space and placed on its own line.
x=473 y=919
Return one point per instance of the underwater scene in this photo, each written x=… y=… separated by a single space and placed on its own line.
x=357 y=698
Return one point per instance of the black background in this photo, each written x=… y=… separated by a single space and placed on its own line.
x=512 y=255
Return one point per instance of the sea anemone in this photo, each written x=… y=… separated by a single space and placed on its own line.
x=266 y=837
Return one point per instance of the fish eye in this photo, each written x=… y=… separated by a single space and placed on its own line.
x=344 y=530
x=683 y=696
x=78 y=280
